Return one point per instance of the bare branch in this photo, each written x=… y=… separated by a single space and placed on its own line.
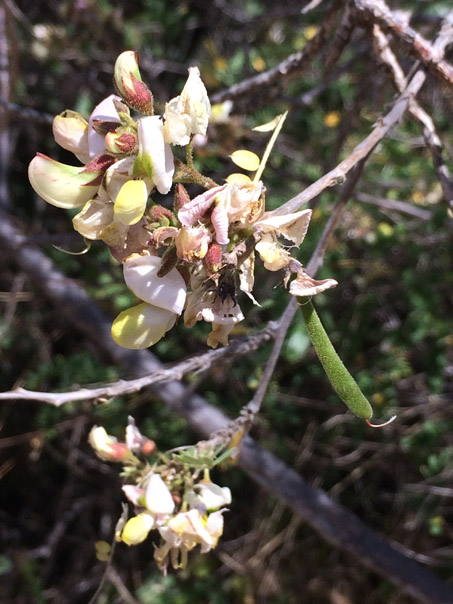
x=338 y=526
x=29 y=114
x=176 y=372
x=392 y=204
x=360 y=152
x=316 y=260
x=431 y=56
x=341 y=38
x=287 y=69
x=433 y=142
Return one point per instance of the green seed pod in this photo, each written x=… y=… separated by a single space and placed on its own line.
x=340 y=378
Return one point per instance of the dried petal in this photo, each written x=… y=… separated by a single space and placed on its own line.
x=304 y=285
x=292 y=226
x=194 y=210
x=274 y=256
x=192 y=243
x=95 y=216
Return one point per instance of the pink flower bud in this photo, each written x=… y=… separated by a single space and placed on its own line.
x=213 y=259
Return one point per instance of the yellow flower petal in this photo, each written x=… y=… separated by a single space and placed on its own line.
x=141 y=326
x=259 y=64
x=102 y=551
x=61 y=185
x=238 y=179
x=268 y=126
x=137 y=529
x=130 y=203
x=247 y=160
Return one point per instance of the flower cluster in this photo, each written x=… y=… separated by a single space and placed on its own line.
x=191 y=259
x=173 y=496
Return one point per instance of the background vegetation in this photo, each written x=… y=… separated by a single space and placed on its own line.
x=390 y=316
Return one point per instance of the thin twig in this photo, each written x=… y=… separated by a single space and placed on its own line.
x=333 y=522
x=317 y=258
x=430 y=55
x=287 y=69
x=341 y=38
x=393 y=204
x=162 y=375
x=254 y=405
x=433 y=142
x=26 y=112
x=360 y=152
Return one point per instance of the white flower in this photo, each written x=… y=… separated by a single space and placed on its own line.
x=210 y=496
x=167 y=292
x=105 y=111
x=157 y=496
x=133 y=493
x=70 y=131
x=188 y=113
x=155 y=158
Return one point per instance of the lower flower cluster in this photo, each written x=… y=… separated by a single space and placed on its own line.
x=173 y=496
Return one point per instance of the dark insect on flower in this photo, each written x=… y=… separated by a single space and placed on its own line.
x=227 y=286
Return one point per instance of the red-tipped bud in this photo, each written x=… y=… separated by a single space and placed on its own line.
x=106 y=446
x=118 y=143
x=213 y=259
x=149 y=447
x=181 y=197
x=129 y=83
x=156 y=213
x=176 y=498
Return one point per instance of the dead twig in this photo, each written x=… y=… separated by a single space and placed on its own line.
x=432 y=140
x=294 y=65
x=377 y=12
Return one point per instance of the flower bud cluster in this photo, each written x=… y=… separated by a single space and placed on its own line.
x=192 y=259
x=172 y=496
